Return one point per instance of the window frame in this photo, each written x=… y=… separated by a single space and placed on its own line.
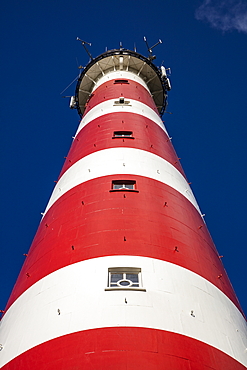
x=124 y=271
x=129 y=134
x=124 y=182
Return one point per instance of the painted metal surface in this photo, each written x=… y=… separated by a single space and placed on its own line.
x=130 y=348
x=60 y=314
x=74 y=299
x=98 y=134
x=109 y=106
x=122 y=161
x=156 y=222
x=119 y=75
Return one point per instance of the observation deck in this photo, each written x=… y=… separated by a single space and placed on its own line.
x=122 y=60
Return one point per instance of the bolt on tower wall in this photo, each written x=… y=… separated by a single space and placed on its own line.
x=122 y=273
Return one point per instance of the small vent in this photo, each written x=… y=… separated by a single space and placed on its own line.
x=121 y=82
x=121 y=101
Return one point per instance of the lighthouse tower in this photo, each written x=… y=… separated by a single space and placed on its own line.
x=122 y=273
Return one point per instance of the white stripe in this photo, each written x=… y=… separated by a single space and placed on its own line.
x=108 y=106
x=122 y=161
x=78 y=291
x=119 y=75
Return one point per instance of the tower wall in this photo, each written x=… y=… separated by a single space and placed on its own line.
x=122 y=209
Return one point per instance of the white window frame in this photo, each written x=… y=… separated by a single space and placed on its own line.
x=124 y=271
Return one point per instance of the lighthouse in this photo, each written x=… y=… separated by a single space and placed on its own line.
x=122 y=272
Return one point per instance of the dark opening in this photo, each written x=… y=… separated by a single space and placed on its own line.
x=122 y=133
x=121 y=82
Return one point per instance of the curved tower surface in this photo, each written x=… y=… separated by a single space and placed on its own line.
x=122 y=272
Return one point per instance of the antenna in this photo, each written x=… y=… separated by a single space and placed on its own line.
x=150 y=50
x=83 y=44
x=69 y=84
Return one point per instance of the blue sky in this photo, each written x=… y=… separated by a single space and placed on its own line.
x=204 y=44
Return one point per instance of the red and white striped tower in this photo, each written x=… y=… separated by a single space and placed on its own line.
x=122 y=273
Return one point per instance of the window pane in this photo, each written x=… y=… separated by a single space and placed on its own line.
x=116 y=277
x=123 y=184
x=128 y=186
x=117 y=186
x=132 y=277
x=124 y=283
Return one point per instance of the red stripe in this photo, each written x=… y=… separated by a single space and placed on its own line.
x=98 y=135
x=154 y=222
x=124 y=348
x=109 y=90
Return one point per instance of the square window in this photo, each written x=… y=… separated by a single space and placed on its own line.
x=124 y=278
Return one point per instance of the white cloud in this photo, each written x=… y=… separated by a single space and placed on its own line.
x=225 y=15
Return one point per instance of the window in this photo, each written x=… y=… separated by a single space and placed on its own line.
x=124 y=185
x=121 y=82
x=123 y=278
x=123 y=134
